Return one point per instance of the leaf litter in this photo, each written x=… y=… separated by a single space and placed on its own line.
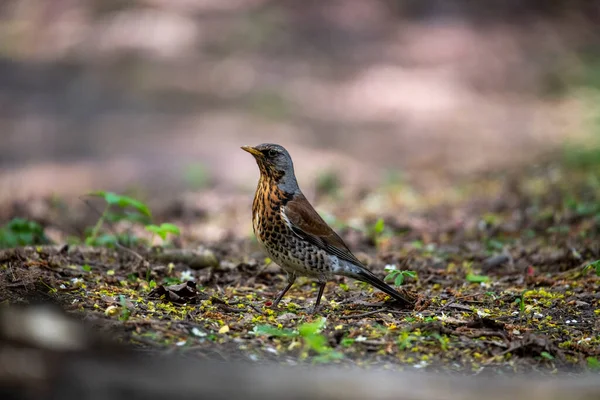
x=500 y=274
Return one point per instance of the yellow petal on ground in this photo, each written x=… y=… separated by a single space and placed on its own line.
x=224 y=329
x=112 y=310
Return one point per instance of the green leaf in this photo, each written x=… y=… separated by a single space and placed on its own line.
x=477 y=278
x=157 y=231
x=112 y=198
x=399 y=280
x=410 y=274
x=86 y=268
x=417 y=244
x=391 y=276
x=163 y=230
x=268 y=330
x=316 y=342
x=170 y=228
x=593 y=363
x=328 y=357
x=170 y=280
x=547 y=355
x=594 y=265
x=22 y=232
x=311 y=328
x=123 y=201
x=125 y=311
x=379 y=226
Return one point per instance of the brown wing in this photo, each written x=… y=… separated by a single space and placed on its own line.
x=308 y=224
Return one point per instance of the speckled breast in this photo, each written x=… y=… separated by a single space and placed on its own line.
x=288 y=250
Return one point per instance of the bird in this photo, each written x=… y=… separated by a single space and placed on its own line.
x=293 y=234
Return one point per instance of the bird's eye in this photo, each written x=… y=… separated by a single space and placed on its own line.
x=272 y=153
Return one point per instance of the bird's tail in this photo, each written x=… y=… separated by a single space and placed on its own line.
x=364 y=275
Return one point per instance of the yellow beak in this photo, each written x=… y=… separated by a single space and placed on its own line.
x=252 y=150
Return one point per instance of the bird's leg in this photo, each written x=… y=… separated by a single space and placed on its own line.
x=291 y=280
x=319 y=295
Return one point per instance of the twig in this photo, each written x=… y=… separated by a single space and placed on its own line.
x=365 y=314
x=447 y=304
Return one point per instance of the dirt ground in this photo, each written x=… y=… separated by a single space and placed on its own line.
x=501 y=285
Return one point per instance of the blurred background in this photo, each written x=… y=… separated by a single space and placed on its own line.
x=158 y=95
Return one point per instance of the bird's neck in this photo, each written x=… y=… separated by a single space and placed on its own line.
x=269 y=198
x=288 y=184
x=286 y=187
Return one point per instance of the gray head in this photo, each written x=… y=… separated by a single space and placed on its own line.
x=275 y=164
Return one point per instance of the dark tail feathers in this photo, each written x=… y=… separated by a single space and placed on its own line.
x=364 y=275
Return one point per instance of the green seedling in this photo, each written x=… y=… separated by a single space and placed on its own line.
x=405 y=340
x=124 y=208
x=583 y=209
x=125 y=311
x=312 y=338
x=494 y=245
x=268 y=330
x=593 y=363
x=378 y=227
x=377 y=232
x=118 y=208
x=397 y=276
x=163 y=230
x=520 y=301
x=547 y=355
x=474 y=278
x=444 y=340
x=22 y=232
x=595 y=265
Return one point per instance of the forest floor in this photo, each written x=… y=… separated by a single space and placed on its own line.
x=499 y=266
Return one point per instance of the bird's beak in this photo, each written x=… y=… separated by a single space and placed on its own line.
x=252 y=150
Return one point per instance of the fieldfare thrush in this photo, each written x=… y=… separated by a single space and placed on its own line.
x=293 y=234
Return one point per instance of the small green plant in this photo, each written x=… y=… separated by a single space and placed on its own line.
x=474 y=278
x=520 y=301
x=547 y=355
x=314 y=340
x=22 y=232
x=397 y=276
x=268 y=330
x=125 y=311
x=310 y=333
x=444 y=340
x=405 y=340
x=118 y=208
x=494 y=245
x=124 y=208
x=163 y=230
x=378 y=227
x=584 y=209
x=595 y=265
x=593 y=363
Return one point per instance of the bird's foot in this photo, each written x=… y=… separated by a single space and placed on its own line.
x=274 y=306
